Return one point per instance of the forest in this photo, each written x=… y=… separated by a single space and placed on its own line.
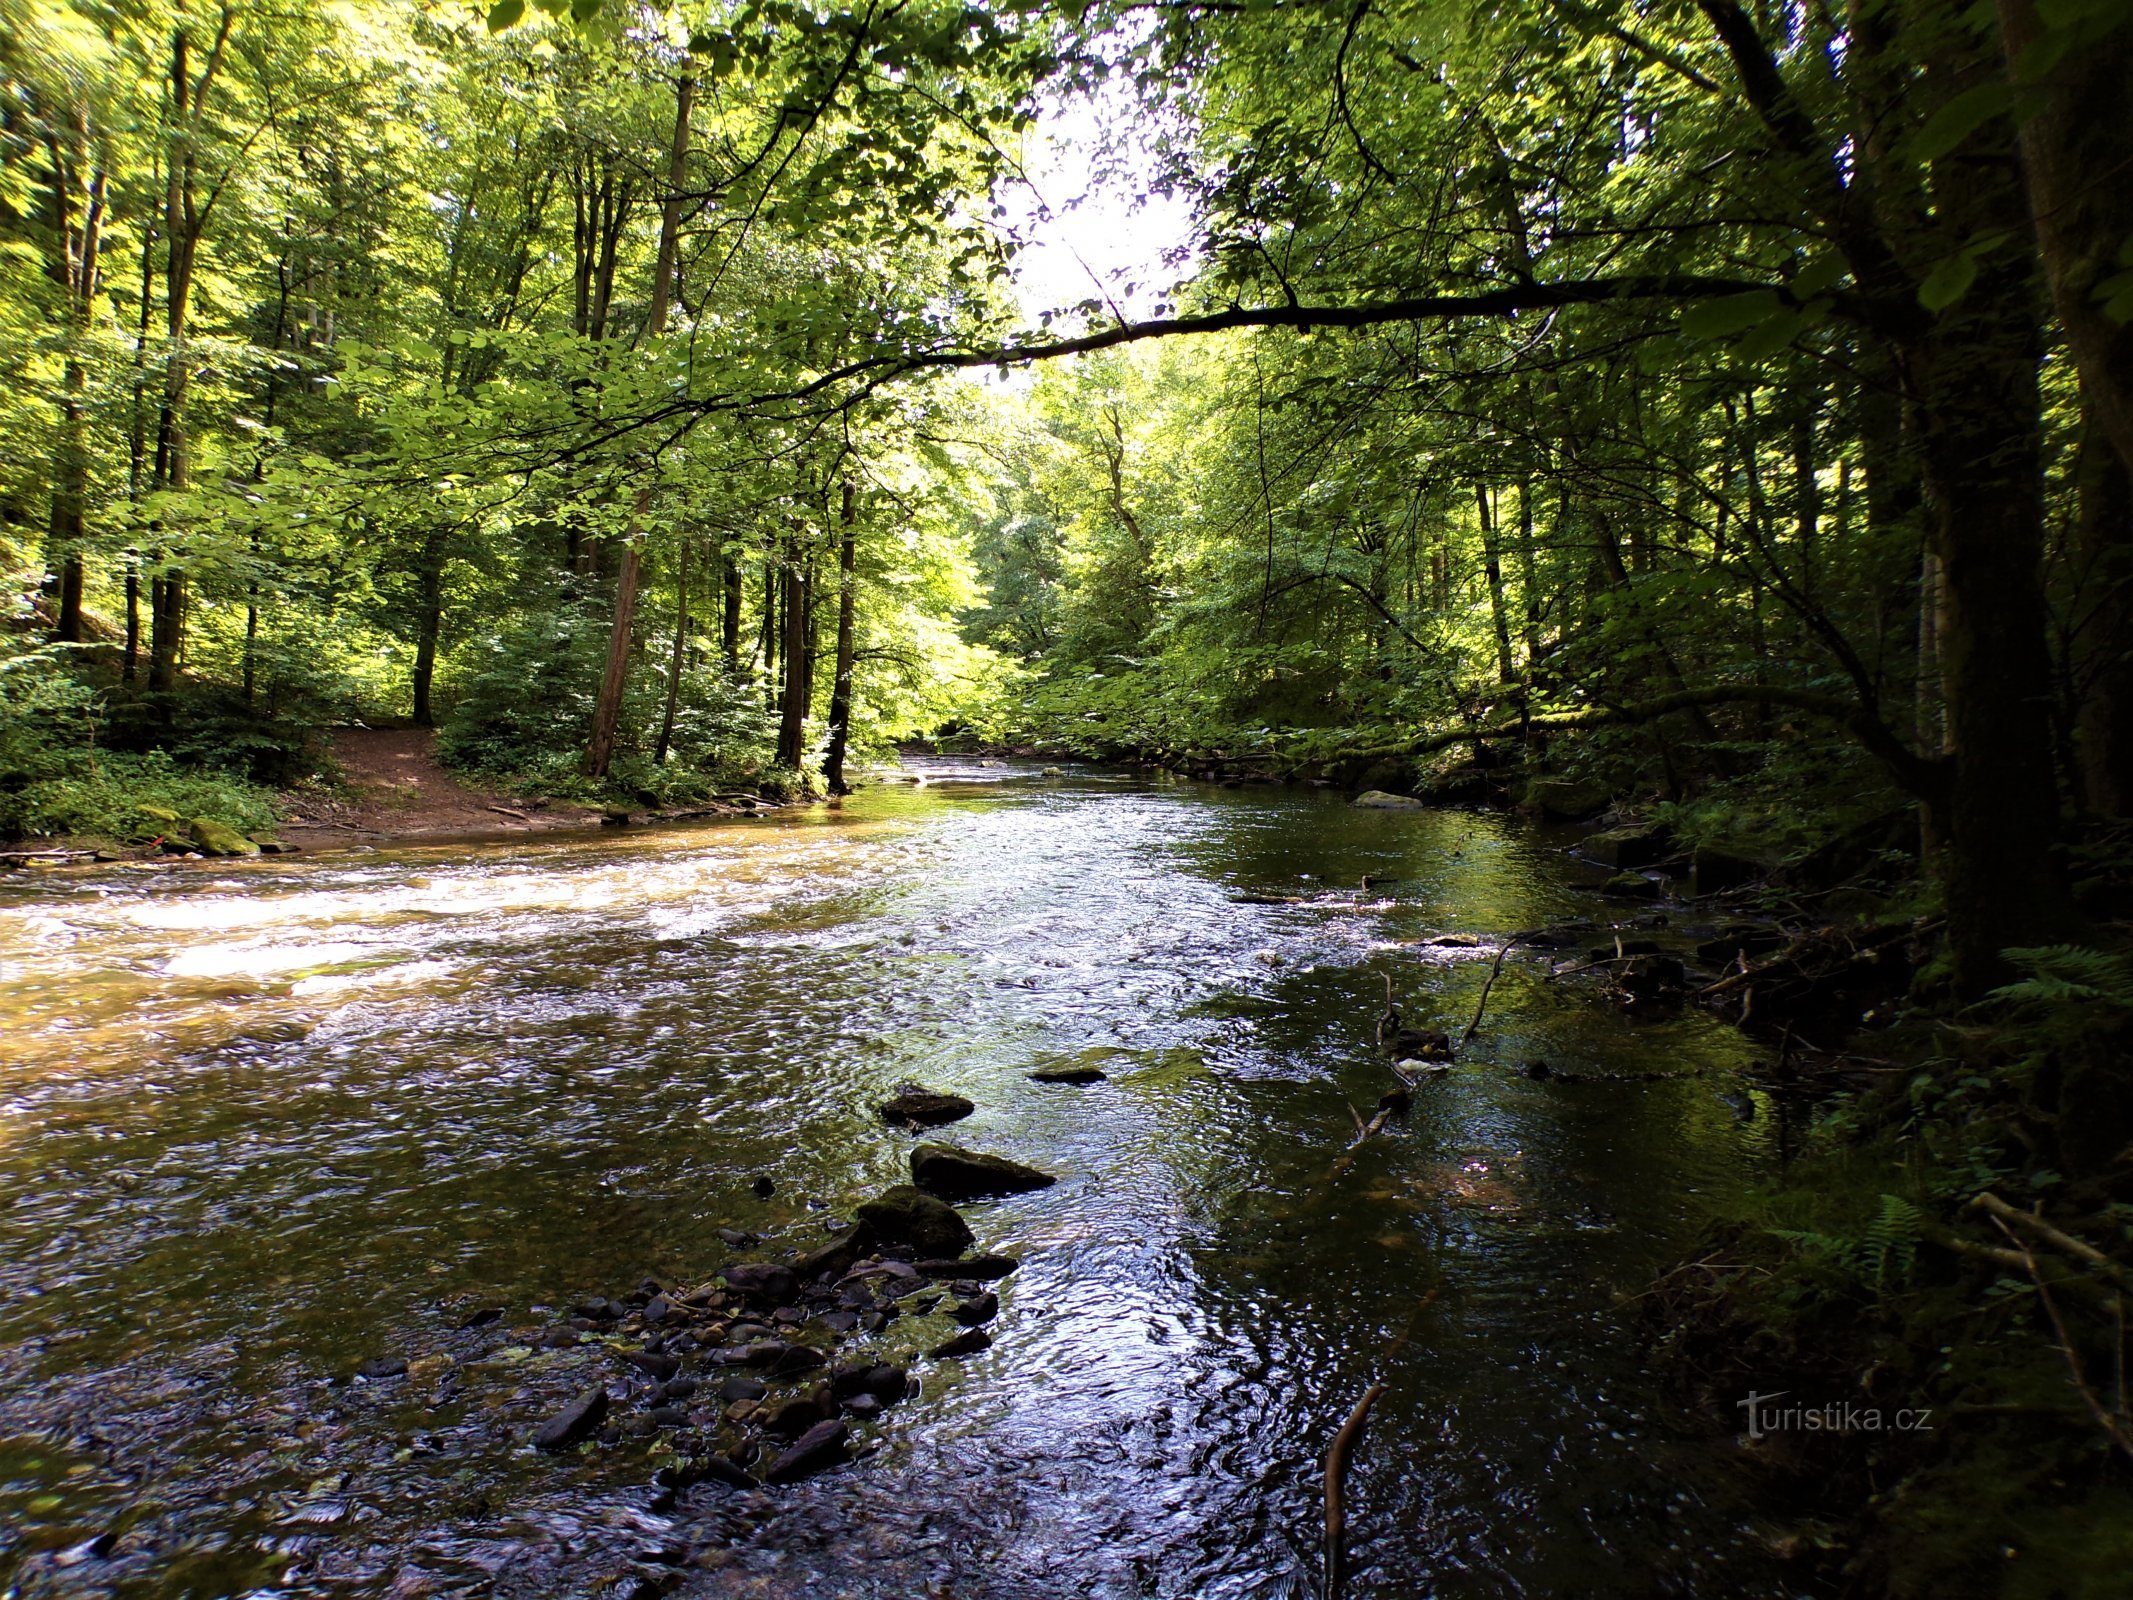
x=1705 y=423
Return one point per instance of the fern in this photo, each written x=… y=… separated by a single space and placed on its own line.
x=2066 y=974
x=1891 y=1240
x=1880 y=1257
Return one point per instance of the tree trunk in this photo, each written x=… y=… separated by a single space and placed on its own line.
x=607 y=712
x=677 y=662
x=1974 y=377
x=729 y=629
x=2075 y=142
x=1493 y=564
x=1528 y=578
x=429 y=625
x=792 y=703
x=2103 y=639
x=840 y=717
x=74 y=268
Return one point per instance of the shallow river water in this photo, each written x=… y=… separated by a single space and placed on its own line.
x=261 y=1123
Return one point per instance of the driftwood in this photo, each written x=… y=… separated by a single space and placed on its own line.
x=1344 y=1443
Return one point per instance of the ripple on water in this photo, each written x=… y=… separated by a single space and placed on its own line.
x=256 y=1128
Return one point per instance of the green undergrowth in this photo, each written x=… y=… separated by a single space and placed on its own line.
x=1870 y=1274
x=60 y=776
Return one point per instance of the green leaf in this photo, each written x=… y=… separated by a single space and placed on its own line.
x=1960 y=118
x=1721 y=319
x=1948 y=282
x=506 y=14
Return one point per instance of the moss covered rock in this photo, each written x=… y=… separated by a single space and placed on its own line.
x=214 y=838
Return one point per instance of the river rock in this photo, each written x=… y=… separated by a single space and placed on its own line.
x=957 y=1174
x=218 y=838
x=1068 y=1075
x=1712 y=870
x=1385 y=800
x=1633 y=884
x=978 y=1308
x=914 y=1107
x=908 y=1216
x=790 y=1418
x=575 y=1422
x=652 y=1365
x=762 y=1280
x=967 y=1343
x=1628 y=848
x=1566 y=799
x=382 y=1367
x=821 y=1446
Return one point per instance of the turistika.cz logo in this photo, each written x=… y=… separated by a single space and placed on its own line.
x=1838 y=1416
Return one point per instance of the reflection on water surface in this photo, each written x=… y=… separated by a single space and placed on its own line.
x=260 y=1124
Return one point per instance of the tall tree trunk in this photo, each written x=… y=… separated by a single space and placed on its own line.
x=1974 y=375
x=183 y=224
x=1528 y=578
x=1493 y=564
x=73 y=267
x=429 y=624
x=607 y=712
x=2103 y=638
x=792 y=702
x=2076 y=135
x=840 y=717
x=729 y=629
x=678 y=660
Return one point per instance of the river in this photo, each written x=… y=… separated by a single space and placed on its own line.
x=260 y=1123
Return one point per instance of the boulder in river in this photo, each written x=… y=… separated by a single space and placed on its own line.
x=1627 y=848
x=907 y=1216
x=1633 y=884
x=1068 y=1075
x=763 y=1281
x=1566 y=799
x=1713 y=870
x=1385 y=800
x=212 y=838
x=978 y=1308
x=967 y=1343
x=915 y=1107
x=575 y=1422
x=821 y=1446
x=957 y=1174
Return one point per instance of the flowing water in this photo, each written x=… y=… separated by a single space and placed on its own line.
x=261 y=1123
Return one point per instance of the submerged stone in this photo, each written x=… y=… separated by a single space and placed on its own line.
x=1385 y=800
x=574 y=1423
x=958 y=1174
x=820 y=1447
x=906 y=1215
x=914 y=1107
x=1068 y=1075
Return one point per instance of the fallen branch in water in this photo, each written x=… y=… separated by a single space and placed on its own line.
x=1343 y=1446
x=1474 y=1027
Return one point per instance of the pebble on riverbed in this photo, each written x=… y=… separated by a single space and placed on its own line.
x=761 y=1373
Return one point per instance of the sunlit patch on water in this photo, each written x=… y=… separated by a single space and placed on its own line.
x=260 y=1125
